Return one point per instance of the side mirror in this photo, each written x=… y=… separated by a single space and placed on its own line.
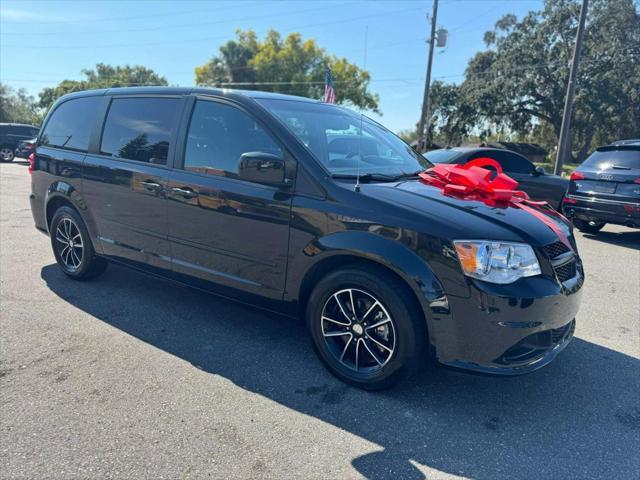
x=539 y=171
x=261 y=167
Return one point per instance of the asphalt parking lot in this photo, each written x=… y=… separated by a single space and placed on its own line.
x=129 y=376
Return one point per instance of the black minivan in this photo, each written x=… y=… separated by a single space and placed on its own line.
x=311 y=210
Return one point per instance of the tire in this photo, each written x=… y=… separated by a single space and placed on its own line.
x=6 y=154
x=588 y=227
x=349 y=348
x=72 y=246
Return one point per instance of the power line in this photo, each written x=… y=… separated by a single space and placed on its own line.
x=561 y=64
x=138 y=17
x=460 y=26
x=204 y=39
x=174 y=26
x=374 y=80
x=249 y=67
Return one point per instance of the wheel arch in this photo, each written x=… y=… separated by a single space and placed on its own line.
x=365 y=249
x=64 y=194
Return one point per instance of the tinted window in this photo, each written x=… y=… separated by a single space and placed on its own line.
x=23 y=131
x=71 y=123
x=219 y=134
x=140 y=128
x=441 y=156
x=512 y=163
x=603 y=160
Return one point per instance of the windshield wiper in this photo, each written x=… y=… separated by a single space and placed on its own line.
x=410 y=175
x=366 y=177
x=620 y=167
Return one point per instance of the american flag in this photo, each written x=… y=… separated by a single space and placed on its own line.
x=329 y=94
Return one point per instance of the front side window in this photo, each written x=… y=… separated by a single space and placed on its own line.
x=140 y=128
x=71 y=123
x=218 y=136
x=345 y=142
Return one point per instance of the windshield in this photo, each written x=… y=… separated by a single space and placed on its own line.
x=345 y=142
x=605 y=159
x=441 y=156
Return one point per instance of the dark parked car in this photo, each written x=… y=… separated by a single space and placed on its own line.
x=311 y=210
x=605 y=188
x=11 y=134
x=538 y=184
x=26 y=148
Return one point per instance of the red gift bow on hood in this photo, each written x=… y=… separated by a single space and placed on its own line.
x=472 y=182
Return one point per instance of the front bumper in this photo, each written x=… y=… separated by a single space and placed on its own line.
x=509 y=329
x=594 y=209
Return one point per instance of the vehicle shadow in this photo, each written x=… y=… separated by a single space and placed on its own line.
x=579 y=417
x=628 y=239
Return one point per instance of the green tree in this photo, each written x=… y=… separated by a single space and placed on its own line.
x=519 y=82
x=290 y=65
x=453 y=118
x=103 y=76
x=17 y=106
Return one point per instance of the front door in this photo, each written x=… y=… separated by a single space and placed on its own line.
x=223 y=230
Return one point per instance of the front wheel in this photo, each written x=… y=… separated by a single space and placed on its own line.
x=366 y=327
x=588 y=226
x=72 y=246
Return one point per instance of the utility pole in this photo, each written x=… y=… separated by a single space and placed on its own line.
x=564 y=146
x=423 y=126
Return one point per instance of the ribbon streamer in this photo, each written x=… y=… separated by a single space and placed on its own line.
x=473 y=182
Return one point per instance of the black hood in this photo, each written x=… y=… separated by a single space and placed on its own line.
x=463 y=219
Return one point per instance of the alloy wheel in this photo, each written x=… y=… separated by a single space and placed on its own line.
x=6 y=154
x=69 y=244
x=358 y=330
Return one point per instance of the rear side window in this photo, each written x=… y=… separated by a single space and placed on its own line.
x=140 y=128
x=605 y=159
x=25 y=132
x=441 y=156
x=71 y=123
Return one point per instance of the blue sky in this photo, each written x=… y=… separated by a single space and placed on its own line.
x=44 y=42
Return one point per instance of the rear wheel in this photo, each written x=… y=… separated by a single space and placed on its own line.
x=588 y=226
x=72 y=246
x=6 y=154
x=366 y=327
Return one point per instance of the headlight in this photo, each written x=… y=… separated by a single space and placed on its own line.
x=496 y=262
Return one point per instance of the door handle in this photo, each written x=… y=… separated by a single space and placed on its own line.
x=151 y=186
x=184 y=192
